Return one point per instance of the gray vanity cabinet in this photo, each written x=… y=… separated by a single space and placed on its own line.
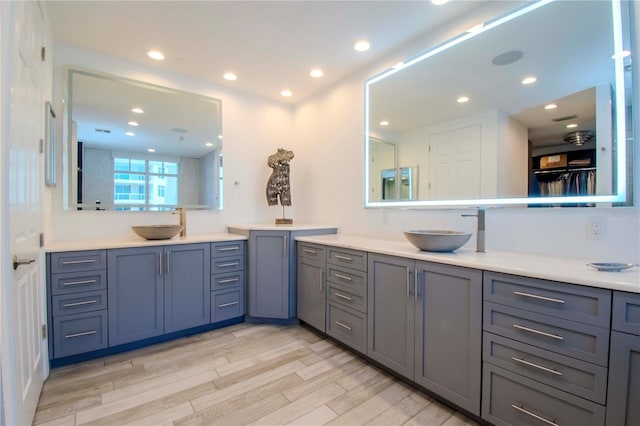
x=425 y=323
x=623 y=396
x=136 y=294
x=187 y=290
x=157 y=290
x=390 y=328
x=448 y=329
x=271 y=267
x=311 y=285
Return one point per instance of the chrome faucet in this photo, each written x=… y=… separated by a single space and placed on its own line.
x=481 y=228
x=183 y=220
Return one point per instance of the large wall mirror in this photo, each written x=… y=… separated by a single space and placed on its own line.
x=134 y=146
x=530 y=108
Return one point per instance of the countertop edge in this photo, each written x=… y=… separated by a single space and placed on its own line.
x=552 y=268
x=78 y=245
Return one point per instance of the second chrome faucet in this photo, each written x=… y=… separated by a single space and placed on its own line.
x=481 y=229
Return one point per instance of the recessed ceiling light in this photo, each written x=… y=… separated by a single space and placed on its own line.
x=155 y=54
x=133 y=123
x=316 y=73
x=621 y=54
x=550 y=106
x=462 y=99
x=398 y=65
x=362 y=46
x=137 y=110
x=208 y=144
x=572 y=126
x=151 y=150
x=220 y=136
x=384 y=123
x=439 y=2
x=230 y=76
x=529 y=80
x=130 y=134
x=286 y=93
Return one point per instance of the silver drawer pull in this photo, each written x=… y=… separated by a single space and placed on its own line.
x=343 y=325
x=540 y=367
x=344 y=277
x=226 y=265
x=224 y=305
x=88 y=302
x=229 y=280
x=344 y=258
x=535 y=296
x=79 y=282
x=542 y=333
x=75 y=262
x=535 y=416
x=343 y=296
x=228 y=248
x=309 y=251
x=86 y=333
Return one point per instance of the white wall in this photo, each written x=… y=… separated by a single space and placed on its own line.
x=329 y=150
x=254 y=128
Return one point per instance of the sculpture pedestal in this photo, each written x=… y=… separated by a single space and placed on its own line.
x=284 y=221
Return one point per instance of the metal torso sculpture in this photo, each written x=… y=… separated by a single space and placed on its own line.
x=278 y=184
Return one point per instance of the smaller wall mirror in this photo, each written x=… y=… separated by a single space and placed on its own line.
x=135 y=146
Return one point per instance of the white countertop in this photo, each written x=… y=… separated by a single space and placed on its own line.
x=555 y=268
x=273 y=227
x=74 y=245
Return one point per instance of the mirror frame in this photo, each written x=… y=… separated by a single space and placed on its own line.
x=620 y=25
x=70 y=152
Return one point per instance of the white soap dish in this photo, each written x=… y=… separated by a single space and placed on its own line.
x=611 y=266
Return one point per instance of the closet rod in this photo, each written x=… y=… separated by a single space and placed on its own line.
x=540 y=172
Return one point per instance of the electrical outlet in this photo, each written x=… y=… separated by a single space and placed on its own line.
x=597 y=228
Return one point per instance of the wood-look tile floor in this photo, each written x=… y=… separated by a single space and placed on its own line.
x=243 y=374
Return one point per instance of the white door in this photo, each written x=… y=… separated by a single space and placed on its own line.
x=23 y=350
x=455 y=164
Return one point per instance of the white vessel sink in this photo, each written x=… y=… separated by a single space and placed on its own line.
x=157 y=232
x=437 y=240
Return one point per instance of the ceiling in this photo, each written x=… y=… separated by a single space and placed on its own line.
x=270 y=45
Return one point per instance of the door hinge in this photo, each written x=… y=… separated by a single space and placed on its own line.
x=41 y=146
x=44 y=331
x=43 y=53
x=41 y=239
x=429 y=148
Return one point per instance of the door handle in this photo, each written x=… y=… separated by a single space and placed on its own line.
x=17 y=262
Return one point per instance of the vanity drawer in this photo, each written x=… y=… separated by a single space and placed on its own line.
x=76 y=282
x=227 y=248
x=569 y=301
x=568 y=374
x=347 y=326
x=626 y=312
x=343 y=296
x=227 y=264
x=355 y=281
x=79 y=333
x=227 y=304
x=351 y=258
x=312 y=252
x=75 y=303
x=74 y=261
x=582 y=341
x=510 y=399
x=224 y=281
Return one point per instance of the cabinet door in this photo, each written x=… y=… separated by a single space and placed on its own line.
x=135 y=294
x=312 y=294
x=624 y=380
x=448 y=321
x=390 y=335
x=268 y=286
x=187 y=299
